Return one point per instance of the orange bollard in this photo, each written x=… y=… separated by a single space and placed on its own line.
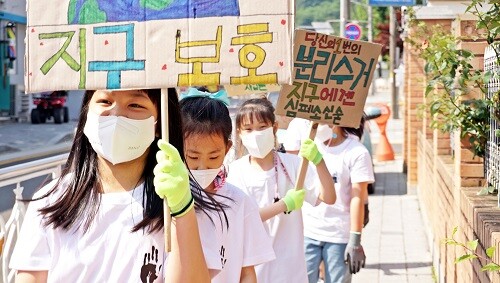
x=384 y=148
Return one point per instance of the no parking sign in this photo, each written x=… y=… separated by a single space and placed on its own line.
x=353 y=31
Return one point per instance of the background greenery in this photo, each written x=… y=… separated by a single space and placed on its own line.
x=308 y=11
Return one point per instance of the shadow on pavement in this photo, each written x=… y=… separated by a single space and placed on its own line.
x=387 y=267
x=390 y=183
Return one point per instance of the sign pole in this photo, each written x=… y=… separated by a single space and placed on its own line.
x=299 y=183
x=167 y=218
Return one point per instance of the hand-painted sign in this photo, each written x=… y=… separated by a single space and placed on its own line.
x=331 y=78
x=112 y=44
x=397 y=3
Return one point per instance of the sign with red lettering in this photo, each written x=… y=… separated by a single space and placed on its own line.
x=331 y=79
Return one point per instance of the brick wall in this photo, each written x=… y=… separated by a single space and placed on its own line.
x=415 y=90
x=414 y=86
x=448 y=178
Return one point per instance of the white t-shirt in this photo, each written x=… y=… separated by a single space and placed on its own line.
x=286 y=230
x=244 y=243
x=348 y=163
x=107 y=252
x=296 y=132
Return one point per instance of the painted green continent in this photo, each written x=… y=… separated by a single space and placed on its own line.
x=156 y=4
x=91 y=14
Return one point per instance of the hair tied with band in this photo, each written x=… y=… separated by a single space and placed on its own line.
x=220 y=95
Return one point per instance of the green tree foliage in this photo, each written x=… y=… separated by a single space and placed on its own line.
x=309 y=3
x=322 y=11
x=382 y=33
x=471 y=252
x=450 y=78
x=327 y=10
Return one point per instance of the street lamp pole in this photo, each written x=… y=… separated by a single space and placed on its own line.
x=392 y=66
x=370 y=23
x=344 y=16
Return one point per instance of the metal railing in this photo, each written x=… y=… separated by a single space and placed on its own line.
x=492 y=157
x=15 y=175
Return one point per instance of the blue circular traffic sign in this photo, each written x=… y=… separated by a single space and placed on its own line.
x=353 y=31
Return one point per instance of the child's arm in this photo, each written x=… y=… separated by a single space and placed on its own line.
x=354 y=253
x=186 y=262
x=272 y=210
x=23 y=276
x=293 y=200
x=359 y=195
x=248 y=275
x=309 y=151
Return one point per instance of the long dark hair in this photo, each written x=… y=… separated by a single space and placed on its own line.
x=206 y=116
x=79 y=203
x=356 y=131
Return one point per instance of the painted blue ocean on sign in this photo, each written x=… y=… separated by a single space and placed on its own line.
x=102 y=11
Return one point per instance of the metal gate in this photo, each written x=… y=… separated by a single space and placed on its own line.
x=492 y=157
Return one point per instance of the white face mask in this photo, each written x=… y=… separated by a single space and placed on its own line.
x=119 y=139
x=323 y=133
x=205 y=177
x=259 y=143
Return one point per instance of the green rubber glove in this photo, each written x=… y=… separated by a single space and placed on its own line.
x=294 y=199
x=309 y=151
x=172 y=180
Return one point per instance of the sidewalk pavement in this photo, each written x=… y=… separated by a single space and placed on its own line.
x=20 y=140
x=394 y=240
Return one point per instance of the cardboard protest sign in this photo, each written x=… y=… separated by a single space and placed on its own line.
x=235 y=90
x=113 y=44
x=331 y=78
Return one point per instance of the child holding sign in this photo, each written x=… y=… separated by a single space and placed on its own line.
x=102 y=220
x=242 y=240
x=333 y=232
x=268 y=176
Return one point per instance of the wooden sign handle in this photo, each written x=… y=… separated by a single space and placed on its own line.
x=299 y=183
x=167 y=218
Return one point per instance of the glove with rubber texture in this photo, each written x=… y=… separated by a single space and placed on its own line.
x=171 y=179
x=310 y=151
x=294 y=199
x=354 y=254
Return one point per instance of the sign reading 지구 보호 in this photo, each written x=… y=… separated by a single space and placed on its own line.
x=114 y=44
x=331 y=78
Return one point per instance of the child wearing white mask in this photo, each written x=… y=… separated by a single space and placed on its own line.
x=242 y=241
x=333 y=232
x=296 y=134
x=102 y=220
x=269 y=177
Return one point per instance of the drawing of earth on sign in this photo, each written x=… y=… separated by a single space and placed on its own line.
x=102 y=11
